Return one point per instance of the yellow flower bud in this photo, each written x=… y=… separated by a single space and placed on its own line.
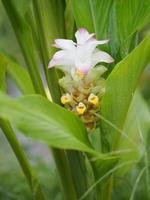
x=81 y=108
x=66 y=98
x=93 y=99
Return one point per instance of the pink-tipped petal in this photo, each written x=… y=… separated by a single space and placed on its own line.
x=62 y=58
x=64 y=44
x=89 y=47
x=82 y=35
x=83 y=66
x=81 y=56
x=51 y=63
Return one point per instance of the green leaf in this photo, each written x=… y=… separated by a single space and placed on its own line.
x=49 y=123
x=52 y=14
x=23 y=81
x=22 y=6
x=19 y=74
x=117 y=20
x=55 y=11
x=136 y=128
x=127 y=18
x=24 y=36
x=50 y=74
x=42 y=120
x=69 y=20
x=93 y=15
x=120 y=87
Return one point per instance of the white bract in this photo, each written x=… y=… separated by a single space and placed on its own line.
x=79 y=57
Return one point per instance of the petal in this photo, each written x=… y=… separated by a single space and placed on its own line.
x=83 y=66
x=64 y=44
x=62 y=57
x=86 y=50
x=82 y=35
x=93 y=43
x=100 y=42
x=101 y=56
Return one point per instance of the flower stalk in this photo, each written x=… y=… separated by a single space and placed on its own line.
x=82 y=84
x=60 y=156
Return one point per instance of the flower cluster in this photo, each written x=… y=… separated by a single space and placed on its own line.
x=83 y=86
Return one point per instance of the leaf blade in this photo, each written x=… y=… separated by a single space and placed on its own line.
x=120 y=87
x=34 y=115
x=19 y=74
x=136 y=127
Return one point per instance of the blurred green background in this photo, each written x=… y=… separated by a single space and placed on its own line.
x=13 y=185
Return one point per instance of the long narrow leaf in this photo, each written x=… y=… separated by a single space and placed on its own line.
x=126 y=20
x=24 y=36
x=118 y=20
x=136 y=127
x=120 y=87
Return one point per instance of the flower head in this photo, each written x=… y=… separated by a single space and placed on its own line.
x=82 y=84
x=79 y=57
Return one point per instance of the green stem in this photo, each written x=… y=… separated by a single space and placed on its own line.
x=64 y=171
x=103 y=190
x=21 y=157
x=51 y=74
x=79 y=172
x=109 y=188
x=75 y=159
x=98 y=193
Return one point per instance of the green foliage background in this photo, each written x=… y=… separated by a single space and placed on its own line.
x=15 y=186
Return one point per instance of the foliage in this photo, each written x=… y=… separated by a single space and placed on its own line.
x=89 y=166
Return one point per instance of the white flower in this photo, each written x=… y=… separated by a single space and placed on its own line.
x=80 y=56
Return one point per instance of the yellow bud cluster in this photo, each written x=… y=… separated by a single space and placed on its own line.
x=84 y=105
